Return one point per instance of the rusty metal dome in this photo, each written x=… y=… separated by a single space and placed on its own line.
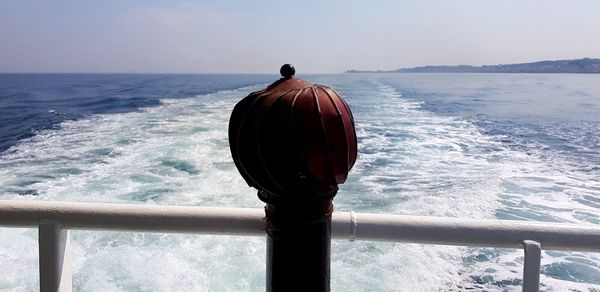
x=293 y=140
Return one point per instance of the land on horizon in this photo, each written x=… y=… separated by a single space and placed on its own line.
x=585 y=65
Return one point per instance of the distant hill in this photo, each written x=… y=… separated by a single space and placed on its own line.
x=586 y=65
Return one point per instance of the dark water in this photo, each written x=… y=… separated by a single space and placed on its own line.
x=558 y=113
x=31 y=102
x=507 y=146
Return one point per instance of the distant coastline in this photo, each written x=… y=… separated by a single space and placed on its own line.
x=585 y=65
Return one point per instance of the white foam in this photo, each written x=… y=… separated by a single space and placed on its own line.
x=411 y=162
x=175 y=154
x=414 y=162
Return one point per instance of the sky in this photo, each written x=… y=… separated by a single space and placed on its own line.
x=184 y=36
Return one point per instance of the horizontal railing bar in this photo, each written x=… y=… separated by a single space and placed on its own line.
x=468 y=232
x=151 y=218
x=345 y=225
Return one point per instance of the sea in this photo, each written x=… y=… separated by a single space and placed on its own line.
x=502 y=146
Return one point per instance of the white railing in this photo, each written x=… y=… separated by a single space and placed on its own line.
x=54 y=219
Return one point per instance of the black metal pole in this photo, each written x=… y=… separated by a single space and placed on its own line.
x=298 y=247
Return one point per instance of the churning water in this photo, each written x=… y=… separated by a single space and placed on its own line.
x=511 y=146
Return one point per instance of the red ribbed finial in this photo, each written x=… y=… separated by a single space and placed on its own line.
x=293 y=138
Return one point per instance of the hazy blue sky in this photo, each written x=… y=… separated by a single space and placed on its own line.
x=316 y=36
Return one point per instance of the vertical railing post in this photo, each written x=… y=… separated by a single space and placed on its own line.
x=55 y=265
x=531 y=266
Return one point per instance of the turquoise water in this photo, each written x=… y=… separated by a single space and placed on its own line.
x=511 y=146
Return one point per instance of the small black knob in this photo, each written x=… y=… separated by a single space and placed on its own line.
x=287 y=71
